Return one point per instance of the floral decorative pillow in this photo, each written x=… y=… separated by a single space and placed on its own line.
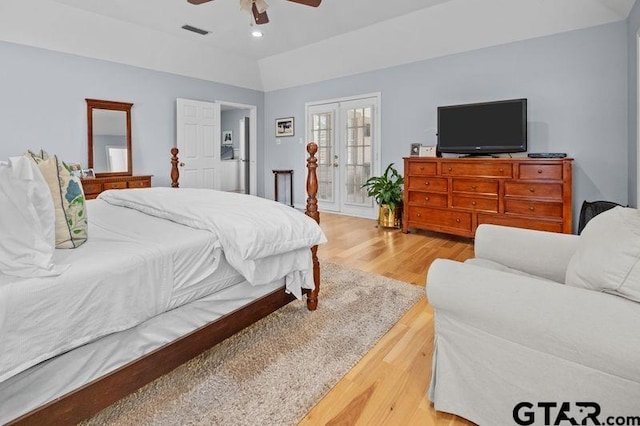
x=68 y=200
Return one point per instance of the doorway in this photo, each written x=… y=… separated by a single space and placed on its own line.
x=240 y=120
x=347 y=133
x=218 y=145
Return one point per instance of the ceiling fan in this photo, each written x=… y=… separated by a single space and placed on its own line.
x=259 y=7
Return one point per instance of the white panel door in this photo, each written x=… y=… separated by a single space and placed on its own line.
x=348 y=153
x=198 y=140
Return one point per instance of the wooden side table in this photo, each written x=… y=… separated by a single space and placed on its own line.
x=288 y=175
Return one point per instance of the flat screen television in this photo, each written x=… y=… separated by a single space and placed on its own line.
x=483 y=128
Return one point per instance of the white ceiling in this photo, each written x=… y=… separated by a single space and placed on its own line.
x=301 y=45
x=291 y=25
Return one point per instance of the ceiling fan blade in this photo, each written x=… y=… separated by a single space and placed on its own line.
x=312 y=3
x=198 y=1
x=261 y=18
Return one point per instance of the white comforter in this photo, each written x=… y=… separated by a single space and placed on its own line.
x=132 y=268
x=251 y=231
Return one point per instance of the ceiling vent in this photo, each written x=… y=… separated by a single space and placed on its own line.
x=195 y=30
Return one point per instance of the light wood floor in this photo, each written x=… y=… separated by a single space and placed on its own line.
x=388 y=386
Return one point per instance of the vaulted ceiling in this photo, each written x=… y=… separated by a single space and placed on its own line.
x=301 y=44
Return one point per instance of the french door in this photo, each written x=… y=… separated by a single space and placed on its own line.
x=348 y=153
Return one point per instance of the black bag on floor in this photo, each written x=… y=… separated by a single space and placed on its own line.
x=590 y=209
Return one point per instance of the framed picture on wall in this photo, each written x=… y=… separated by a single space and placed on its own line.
x=284 y=127
x=227 y=137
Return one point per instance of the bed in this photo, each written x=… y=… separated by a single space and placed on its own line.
x=145 y=294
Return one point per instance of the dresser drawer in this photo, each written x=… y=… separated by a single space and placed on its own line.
x=533 y=208
x=427 y=199
x=476 y=169
x=139 y=183
x=551 y=191
x=428 y=183
x=441 y=218
x=114 y=185
x=541 y=171
x=475 y=186
x=91 y=188
x=504 y=220
x=475 y=203
x=422 y=168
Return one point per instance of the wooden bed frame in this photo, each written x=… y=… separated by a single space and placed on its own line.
x=91 y=398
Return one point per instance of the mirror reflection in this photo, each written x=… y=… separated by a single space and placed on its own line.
x=109 y=141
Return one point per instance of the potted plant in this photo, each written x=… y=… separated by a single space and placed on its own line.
x=387 y=191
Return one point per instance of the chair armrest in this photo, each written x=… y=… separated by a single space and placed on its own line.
x=539 y=253
x=591 y=328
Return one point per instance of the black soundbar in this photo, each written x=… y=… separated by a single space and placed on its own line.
x=546 y=155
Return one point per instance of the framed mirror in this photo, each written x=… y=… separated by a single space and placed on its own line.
x=109 y=138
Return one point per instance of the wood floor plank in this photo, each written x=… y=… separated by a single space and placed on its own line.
x=389 y=384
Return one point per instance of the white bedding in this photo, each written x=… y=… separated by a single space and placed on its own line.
x=67 y=372
x=253 y=232
x=132 y=268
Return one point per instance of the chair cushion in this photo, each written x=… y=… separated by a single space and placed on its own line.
x=608 y=254
x=490 y=264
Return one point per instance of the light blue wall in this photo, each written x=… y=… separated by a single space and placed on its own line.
x=575 y=82
x=42 y=104
x=633 y=24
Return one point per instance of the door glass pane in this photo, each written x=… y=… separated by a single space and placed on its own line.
x=322 y=134
x=358 y=161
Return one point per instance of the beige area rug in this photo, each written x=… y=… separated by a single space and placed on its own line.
x=273 y=372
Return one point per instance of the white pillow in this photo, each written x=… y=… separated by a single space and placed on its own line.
x=608 y=254
x=27 y=226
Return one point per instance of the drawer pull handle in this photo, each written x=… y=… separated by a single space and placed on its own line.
x=532 y=190
x=539 y=171
x=532 y=208
x=426 y=198
x=419 y=215
x=421 y=167
x=449 y=168
x=426 y=182
x=458 y=220
x=473 y=203
x=501 y=170
x=473 y=186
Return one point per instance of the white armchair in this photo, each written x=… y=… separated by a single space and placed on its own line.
x=507 y=330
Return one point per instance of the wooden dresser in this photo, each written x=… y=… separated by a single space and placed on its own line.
x=93 y=187
x=455 y=195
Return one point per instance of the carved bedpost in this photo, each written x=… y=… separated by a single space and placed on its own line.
x=312 y=212
x=175 y=173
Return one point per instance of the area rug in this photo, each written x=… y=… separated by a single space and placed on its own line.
x=273 y=372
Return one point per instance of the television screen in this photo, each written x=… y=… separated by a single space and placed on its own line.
x=483 y=128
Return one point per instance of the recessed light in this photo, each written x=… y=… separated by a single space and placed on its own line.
x=256 y=33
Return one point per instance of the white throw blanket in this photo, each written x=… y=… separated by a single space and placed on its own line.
x=251 y=230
